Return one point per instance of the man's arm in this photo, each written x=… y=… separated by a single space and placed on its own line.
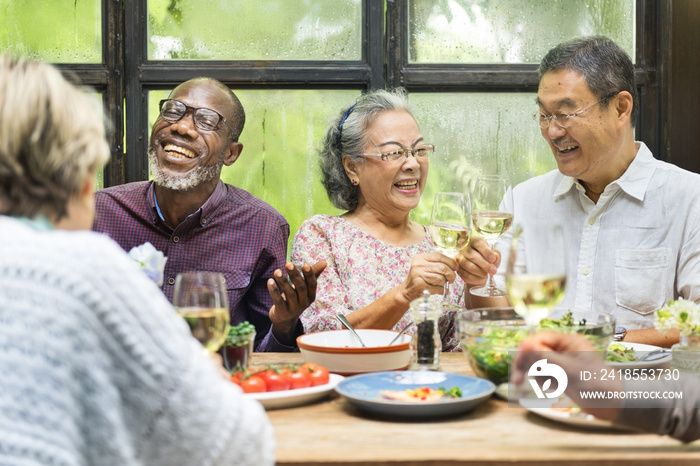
x=651 y=336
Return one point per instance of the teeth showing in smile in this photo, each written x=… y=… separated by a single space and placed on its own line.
x=406 y=184
x=566 y=149
x=179 y=152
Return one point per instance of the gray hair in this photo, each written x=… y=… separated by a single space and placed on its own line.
x=347 y=135
x=52 y=139
x=606 y=68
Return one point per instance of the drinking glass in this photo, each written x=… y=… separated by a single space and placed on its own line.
x=450 y=225
x=201 y=299
x=536 y=283
x=490 y=220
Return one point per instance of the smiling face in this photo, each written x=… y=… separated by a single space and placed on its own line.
x=391 y=188
x=590 y=148
x=184 y=157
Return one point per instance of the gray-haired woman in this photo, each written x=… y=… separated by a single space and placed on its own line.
x=375 y=165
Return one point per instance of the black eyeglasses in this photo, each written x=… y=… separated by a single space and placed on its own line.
x=205 y=119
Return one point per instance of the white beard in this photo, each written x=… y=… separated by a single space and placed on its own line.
x=193 y=179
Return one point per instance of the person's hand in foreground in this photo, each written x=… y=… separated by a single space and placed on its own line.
x=574 y=354
x=291 y=296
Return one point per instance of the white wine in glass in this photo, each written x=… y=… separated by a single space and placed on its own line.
x=490 y=220
x=201 y=299
x=450 y=225
x=536 y=283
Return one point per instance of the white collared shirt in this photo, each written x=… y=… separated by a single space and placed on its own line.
x=630 y=253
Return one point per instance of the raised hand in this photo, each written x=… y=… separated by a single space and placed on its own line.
x=291 y=294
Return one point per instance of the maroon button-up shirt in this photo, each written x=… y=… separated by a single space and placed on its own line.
x=234 y=233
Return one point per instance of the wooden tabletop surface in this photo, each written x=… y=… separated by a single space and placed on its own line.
x=333 y=432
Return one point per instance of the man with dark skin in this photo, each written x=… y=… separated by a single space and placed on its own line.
x=201 y=223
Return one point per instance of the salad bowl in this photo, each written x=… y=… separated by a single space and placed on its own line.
x=490 y=336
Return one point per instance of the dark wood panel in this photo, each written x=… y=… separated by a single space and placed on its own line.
x=683 y=124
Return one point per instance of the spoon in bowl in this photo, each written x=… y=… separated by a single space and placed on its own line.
x=398 y=335
x=345 y=322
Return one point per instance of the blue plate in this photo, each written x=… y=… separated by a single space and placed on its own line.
x=363 y=391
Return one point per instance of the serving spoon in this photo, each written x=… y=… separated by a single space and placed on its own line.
x=345 y=322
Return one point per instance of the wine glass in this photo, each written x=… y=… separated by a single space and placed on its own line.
x=201 y=299
x=490 y=220
x=536 y=283
x=450 y=225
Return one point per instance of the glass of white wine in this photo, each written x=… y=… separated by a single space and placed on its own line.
x=536 y=283
x=201 y=299
x=450 y=225
x=491 y=220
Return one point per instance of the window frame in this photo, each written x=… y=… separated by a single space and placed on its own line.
x=419 y=77
x=125 y=75
x=145 y=75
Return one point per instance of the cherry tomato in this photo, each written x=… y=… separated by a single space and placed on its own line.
x=274 y=380
x=253 y=384
x=236 y=378
x=319 y=374
x=300 y=378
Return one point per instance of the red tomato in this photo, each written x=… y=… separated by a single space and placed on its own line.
x=300 y=378
x=236 y=378
x=275 y=381
x=319 y=375
x=253 y=384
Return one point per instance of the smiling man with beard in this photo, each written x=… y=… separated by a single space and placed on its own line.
x=201 y=223
x=632 y=222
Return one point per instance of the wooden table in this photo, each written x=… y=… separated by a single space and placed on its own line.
x=333 y=432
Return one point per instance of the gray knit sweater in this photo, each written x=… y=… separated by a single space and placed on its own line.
x=96 y=368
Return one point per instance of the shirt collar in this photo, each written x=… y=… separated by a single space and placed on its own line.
x=634 y=181
x=204 y=213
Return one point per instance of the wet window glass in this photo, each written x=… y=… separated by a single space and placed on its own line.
x=57 y=32
x=255 y=30
x=478 y=133
x=511 y=31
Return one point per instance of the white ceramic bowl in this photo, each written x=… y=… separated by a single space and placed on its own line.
x=341 y=353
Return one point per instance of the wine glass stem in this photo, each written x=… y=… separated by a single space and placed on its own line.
x=445 y=291
x=490 y=283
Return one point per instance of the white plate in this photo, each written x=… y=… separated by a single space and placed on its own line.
x=296 y=397
x=363 y=391
x=640 y=350
x=576 y=419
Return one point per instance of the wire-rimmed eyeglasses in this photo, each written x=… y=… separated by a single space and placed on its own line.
x=204 y=118
x=564 y=120
x=420 y=152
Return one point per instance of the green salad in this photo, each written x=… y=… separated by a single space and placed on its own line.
x=492 y=363
x=617 y=352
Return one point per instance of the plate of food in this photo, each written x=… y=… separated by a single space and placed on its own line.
x=624 y=355
x=565 y=411
x=415 y=393
x=296 y=396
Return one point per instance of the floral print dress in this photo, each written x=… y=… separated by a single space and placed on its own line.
x=360 y=270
